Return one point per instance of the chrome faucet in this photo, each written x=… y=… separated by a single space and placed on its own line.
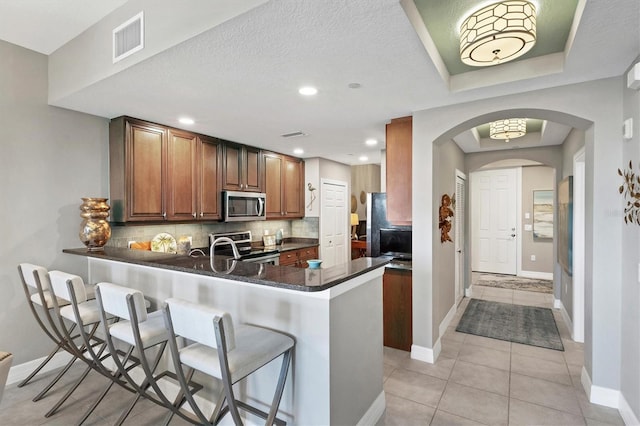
x=236 y=253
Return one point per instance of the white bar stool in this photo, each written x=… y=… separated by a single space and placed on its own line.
x=225 y=353
x=84 y=315
x=140 y=331
x=36 y=286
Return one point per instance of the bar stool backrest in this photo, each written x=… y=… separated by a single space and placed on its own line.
x=28 y=270
x=114 y=301
x=59 y=281
x=195 y=322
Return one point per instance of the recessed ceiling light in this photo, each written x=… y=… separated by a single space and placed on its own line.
x=308 y=91
x=371 y=142
x=186 y=120
x=364 y=158
x=298 y=151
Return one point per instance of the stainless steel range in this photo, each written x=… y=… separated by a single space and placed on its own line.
x=247 y=253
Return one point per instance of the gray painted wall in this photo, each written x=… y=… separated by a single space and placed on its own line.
x=49 y=159
x=630 y=337
x=572 y=144
x=450 y=157
x=595 y=107
x=534 y=179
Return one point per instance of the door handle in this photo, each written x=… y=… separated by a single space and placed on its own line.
x=459 y=251
x=513 y=235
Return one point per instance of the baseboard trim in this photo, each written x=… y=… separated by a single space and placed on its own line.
x=468 y=291
x=423 y=354
x=557 y=303
x=536 y=275
x=598 y=394
x=627 y=414
x=375 y=411
x=447 y=319
x=19 y=372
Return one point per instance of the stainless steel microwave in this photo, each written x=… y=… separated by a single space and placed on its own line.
x=243 y=206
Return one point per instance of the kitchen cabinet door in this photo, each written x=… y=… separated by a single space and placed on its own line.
x=284 y=183
x=306 y=254
x=397 y=309
x=181 y=175
x=293 y=187
x=242 y=168
x=137 y=169
x=398 y=155
x=273 y=182
x=209 y=178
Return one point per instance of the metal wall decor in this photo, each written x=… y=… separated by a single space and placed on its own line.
x=630 y=190
x=446 y=213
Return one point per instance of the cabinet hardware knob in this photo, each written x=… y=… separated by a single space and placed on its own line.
x=201 y=214
x=194 y=215
x=164 y=215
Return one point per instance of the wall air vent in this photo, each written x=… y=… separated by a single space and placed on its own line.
x=293 y=135
x=128 y=38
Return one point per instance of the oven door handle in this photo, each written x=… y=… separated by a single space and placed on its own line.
x=260 y=206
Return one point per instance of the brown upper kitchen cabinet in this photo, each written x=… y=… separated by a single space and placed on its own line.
x=398 y=161
x=284 y=186
x=210 y=178
x=242 y=169
x=158 y=173
x=137 y=158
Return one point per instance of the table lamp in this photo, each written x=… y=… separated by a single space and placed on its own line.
x=355 y=221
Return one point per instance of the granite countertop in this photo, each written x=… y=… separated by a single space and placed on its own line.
x=256 y=273
x=404 y=265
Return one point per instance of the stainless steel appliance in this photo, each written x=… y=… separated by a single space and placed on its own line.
x=247 y=253
x=395 y=242
x=242 y=206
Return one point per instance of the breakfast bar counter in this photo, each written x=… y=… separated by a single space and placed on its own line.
x=334 y=314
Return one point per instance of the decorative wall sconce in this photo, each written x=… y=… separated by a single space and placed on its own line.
x=631 y=193
x=446 y=213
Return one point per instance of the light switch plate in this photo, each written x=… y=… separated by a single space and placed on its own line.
x=527 y=215
x=528 y=227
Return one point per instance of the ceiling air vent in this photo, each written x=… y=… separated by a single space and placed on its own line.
x=128 y=38
x=293 y=135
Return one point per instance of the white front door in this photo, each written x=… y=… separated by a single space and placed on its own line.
x=494 y=220
x=334 y=236
x=459 y=217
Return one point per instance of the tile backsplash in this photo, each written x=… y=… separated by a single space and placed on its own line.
x=301 y=228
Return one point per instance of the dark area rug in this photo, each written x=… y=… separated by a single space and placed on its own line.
x=528 y=325
x=515 y=283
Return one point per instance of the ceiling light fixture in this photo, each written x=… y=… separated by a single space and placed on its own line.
x=308 y=91
x=364 y=158
x=298 y=151
x=371 y=142
x=186 y=120
x=498 y=33
x=507 y=129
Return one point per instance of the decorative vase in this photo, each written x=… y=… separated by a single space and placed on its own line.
x=95 y=231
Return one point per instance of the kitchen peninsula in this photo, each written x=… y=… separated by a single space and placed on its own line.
x=334 y=314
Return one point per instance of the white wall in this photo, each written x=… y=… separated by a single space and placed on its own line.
x=49 y=159
x=594 y=106
x=630 y=334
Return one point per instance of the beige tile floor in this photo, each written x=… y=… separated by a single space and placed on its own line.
x=475 y=380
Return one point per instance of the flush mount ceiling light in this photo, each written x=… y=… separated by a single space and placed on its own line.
x=371 y=142
x=308 y=91
x=186 y=120
x=507 y=129
x=498 y=33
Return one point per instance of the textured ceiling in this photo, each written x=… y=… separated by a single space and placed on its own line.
x=443 y=18
x=239 y=80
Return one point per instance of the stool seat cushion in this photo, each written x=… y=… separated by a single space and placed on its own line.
x=89 y=312
x=152 y=331
x=255 y=347
x=48 y=300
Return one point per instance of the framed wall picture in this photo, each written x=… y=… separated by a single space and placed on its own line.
x=543 y=214
x=565 y=224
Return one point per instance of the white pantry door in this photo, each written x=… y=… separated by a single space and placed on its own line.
x=334 y=239
x=493 y=222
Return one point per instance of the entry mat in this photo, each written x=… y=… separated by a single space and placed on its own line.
x=528 y=325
